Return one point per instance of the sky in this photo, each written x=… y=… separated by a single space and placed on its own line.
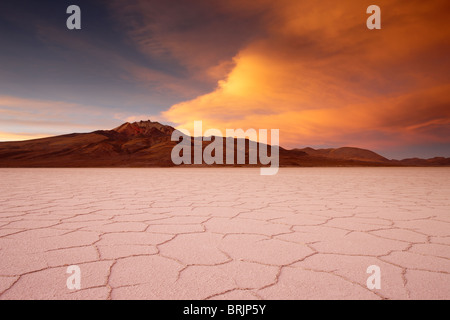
x=311 y=69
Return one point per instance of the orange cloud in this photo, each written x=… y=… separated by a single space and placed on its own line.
x=319 y=75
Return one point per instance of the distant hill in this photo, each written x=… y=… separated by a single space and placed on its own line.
x=148 y=144
x=347 y=153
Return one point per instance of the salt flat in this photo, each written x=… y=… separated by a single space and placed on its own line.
x=185 y=233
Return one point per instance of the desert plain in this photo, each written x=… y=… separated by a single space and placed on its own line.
x=225 y=233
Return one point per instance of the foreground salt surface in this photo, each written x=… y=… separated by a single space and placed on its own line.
x=183 y=233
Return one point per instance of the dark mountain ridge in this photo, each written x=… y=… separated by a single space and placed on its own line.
x=148 y=144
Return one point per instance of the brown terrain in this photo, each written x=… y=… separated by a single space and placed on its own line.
x=148 y=144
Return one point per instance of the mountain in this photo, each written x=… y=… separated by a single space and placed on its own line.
x=432 y=162
x=148 y=144
x=347 y=153
x=143 y=143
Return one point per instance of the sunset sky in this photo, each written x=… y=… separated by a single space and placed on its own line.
x=309 y=68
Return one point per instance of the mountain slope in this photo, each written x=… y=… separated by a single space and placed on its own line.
x=129 y=144
x=148 y=144
x=348 y=153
